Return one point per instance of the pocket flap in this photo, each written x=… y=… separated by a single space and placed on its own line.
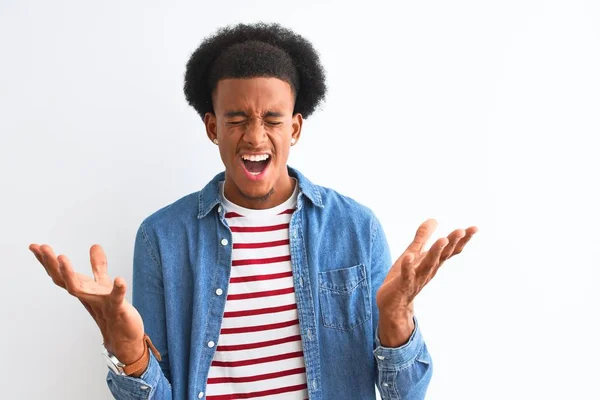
x=343 y=279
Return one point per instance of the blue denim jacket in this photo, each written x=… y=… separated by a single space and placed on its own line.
x=339 y=257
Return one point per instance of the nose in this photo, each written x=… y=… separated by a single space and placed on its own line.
x=255 y=133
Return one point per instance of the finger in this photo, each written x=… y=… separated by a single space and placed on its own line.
x=35 y=249
x=453 y=239
x=99 y=262
x=407 y=277
x=402 y=264
x=404 y=282
x=422 y=236
x=396 y=270
x=463 y=242
x=67 y=273
x=51 y=265
x=118 y=292
x=407 y=260
x=430 y=263
x=405 y=272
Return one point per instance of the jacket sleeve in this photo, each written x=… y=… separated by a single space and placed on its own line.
x=403 y=372
x=148 y=299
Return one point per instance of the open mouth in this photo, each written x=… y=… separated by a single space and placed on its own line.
x=256 y=164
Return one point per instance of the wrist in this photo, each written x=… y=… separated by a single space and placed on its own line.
x=395 y=330
x=127 y=353
x=123 y=366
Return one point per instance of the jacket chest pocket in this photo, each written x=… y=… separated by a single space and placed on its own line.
x=344 y=297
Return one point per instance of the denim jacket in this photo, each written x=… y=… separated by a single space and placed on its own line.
x=339 y=257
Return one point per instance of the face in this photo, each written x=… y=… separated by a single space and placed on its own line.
x=254 y=123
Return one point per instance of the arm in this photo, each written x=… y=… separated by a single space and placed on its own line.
x=148 y=299
x=403 y=361
x=403 y=372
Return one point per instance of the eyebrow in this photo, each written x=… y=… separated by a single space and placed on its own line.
x=272 y=114
x=231 y=114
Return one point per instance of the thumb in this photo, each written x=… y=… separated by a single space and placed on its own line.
x=401 y=264
x=118 y=292
x=407 y=260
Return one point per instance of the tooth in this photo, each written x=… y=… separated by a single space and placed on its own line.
x=253 y=157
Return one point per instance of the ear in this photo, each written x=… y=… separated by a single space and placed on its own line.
x=297 y=126
x=210 y=122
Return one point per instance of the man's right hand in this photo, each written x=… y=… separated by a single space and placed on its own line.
x=120 y=323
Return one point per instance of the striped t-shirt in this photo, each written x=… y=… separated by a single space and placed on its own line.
x=259 y=352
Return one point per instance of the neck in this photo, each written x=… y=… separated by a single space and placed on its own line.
x=282 y=191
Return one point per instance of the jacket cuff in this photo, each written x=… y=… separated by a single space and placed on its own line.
x=396 y=357
x=136 y=388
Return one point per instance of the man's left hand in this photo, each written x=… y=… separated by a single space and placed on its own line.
x=407 y=277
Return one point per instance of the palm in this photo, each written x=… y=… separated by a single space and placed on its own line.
x=91 y=287
x=119 y=322
x=416 y=267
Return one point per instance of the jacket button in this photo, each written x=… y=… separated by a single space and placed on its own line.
x=211 y=344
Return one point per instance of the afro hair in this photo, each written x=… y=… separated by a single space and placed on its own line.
x=256 y=50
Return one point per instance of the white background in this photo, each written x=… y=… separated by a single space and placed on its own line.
x=471 y=112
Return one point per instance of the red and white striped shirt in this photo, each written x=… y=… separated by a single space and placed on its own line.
x=259 y=352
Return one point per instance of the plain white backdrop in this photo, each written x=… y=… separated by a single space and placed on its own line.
x=471 y=112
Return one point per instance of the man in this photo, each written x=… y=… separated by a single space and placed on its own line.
x=262 y=284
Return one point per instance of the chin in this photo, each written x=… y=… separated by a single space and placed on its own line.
x=256 y=192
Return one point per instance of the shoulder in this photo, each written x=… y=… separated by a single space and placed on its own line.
x=181 y=211
x=343 y=207
x=329 y=202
